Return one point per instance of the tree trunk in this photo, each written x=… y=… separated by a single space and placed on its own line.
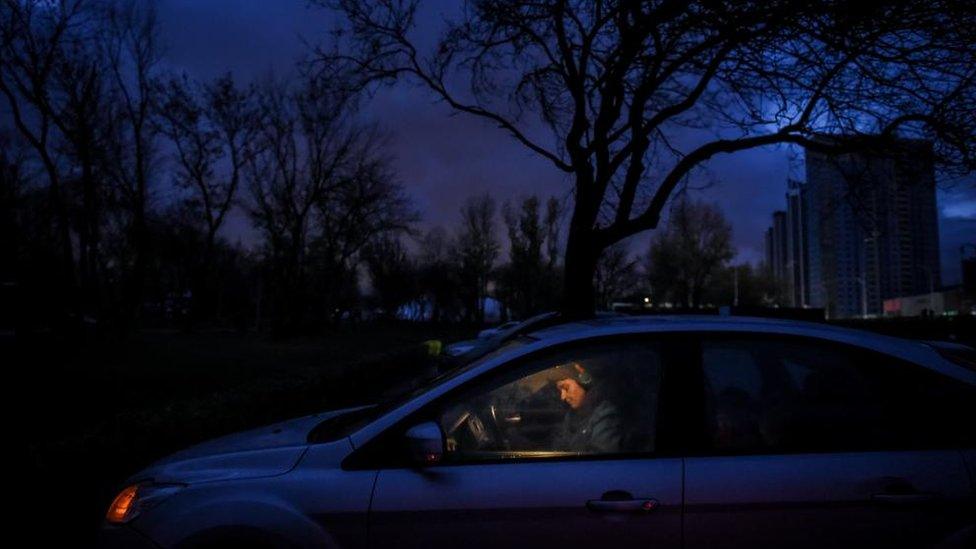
x=138 y=275
x=582 y=253
x=204 y=303
x=67 y=305
x=89 y=239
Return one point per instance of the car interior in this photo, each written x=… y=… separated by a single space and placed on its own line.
x=520 y=416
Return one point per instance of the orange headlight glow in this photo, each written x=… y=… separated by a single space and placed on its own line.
x=122 y=505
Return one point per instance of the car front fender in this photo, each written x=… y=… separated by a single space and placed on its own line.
x=193 y=520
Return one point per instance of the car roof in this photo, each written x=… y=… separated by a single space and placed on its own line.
x=684 y=322
x=655 y=323
x=916 y=351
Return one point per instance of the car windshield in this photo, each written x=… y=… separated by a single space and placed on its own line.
x=343 y=425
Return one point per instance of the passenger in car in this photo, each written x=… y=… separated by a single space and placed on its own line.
x=593 y=423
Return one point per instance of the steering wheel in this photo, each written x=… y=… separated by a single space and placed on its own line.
x=488 y=422
x=479 y=428
x=476 y=428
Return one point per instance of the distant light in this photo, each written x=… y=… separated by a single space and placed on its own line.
x=647 y=300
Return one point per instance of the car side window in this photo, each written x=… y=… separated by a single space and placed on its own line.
x=768 y=394
x=593 y=399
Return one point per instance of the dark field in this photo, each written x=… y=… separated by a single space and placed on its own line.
x=90 y=415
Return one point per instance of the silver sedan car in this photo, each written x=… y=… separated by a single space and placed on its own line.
x=660 y=432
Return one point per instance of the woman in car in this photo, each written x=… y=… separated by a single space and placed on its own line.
x=592 y=424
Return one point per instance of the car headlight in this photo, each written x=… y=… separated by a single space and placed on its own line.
x=137 y=498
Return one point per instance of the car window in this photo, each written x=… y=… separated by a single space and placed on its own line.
x=766 y=394
x=588 y=400
x=740 y=372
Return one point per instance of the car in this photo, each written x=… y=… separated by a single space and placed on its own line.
x=684 y=432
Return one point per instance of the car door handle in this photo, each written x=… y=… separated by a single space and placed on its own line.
x=904 y=499
x=616 y=501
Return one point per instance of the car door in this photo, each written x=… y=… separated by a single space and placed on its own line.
x=807 y=443
x=507 y=480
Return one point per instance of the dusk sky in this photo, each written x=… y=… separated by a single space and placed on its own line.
x=442 y=158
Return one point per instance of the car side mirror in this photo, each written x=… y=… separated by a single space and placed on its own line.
x=425 y=444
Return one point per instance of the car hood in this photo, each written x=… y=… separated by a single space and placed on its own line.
x=263 y=452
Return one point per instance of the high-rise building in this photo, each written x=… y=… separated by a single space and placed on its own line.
x=786 y=246
x=797 y=266
x=776 y=250
x=871 y=228
x=776 y=247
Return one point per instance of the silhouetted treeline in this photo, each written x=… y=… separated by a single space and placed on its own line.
x=119 y=180
x=134 y=197
x=444 y=276
x=455 y=276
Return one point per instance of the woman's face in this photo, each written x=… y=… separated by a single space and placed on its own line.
x=571 y=392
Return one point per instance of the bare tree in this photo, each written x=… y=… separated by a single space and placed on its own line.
x=616 y=80
x=528 y=283
x=212 y=128
x=77 y=98
x=366 y=204
x=320 y=189
x=60 y=90
x=130 y=47
x=36 y=42
x=391 y=273
x=304 y=145
x=552 y=224
x=437 y=276
x=476 y=248
x=29 y=270
x=616 y=273
x=12 y=184
x=687 y=252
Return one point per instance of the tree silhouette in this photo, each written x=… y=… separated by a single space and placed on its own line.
x=212 y=129
x=688 y=252
x=616 y=82
x=529 y=283
x=616 y=275
x=476 y=249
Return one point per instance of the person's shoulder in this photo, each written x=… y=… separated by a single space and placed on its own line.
x=605 y=408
